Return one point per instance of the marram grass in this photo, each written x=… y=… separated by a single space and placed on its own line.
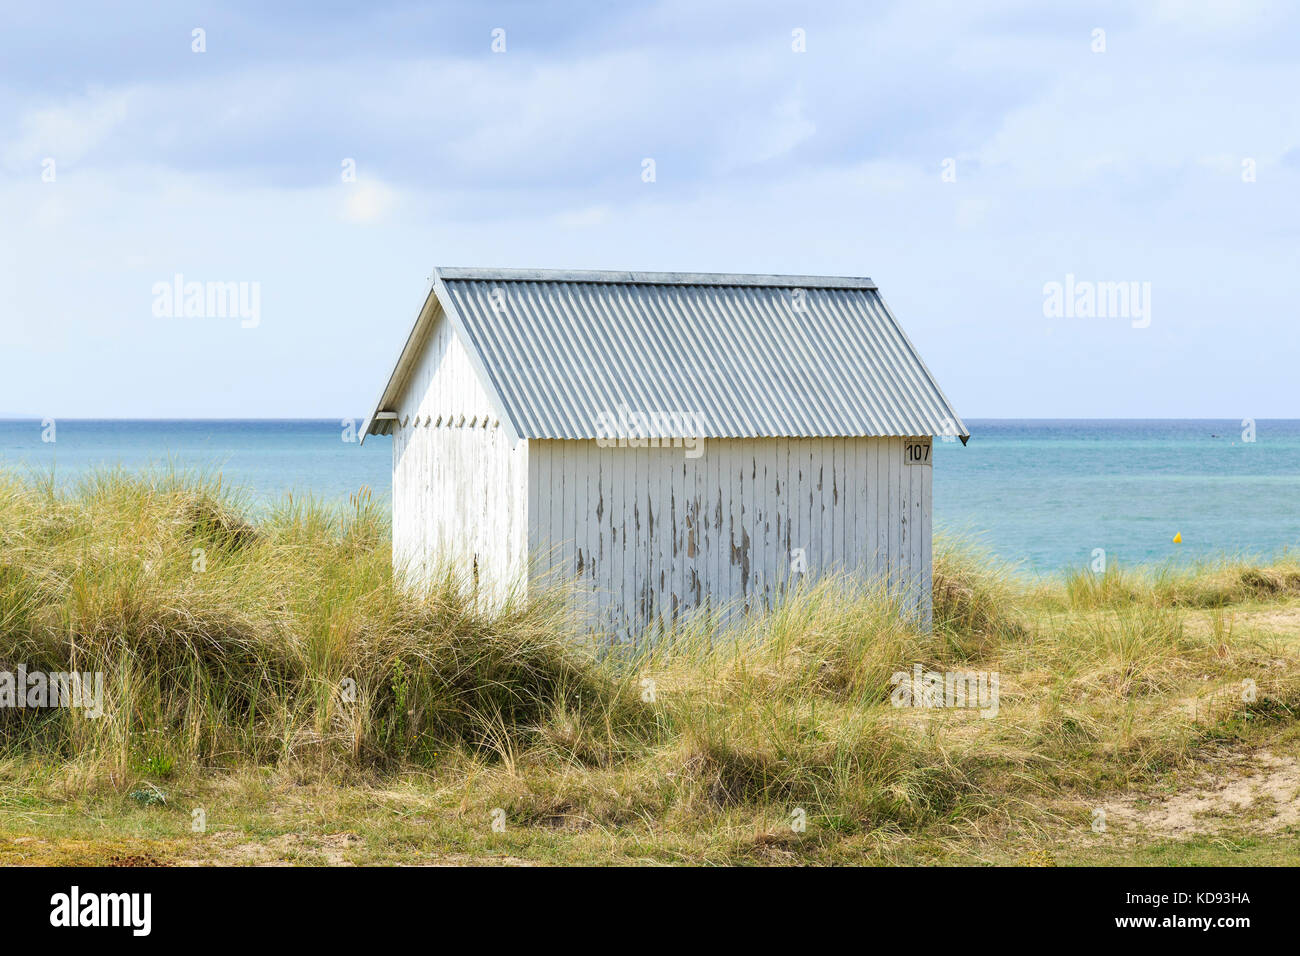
x=223 y=642
x=285 y=645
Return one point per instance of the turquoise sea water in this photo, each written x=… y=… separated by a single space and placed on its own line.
x=1046 y=493
x=1040 y=493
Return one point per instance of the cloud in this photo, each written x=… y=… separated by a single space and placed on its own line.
x=66 y=131
x=767 y=133
x=1123 y=165
x=367 y=202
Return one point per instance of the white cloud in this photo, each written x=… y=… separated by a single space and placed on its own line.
x=782 y=130
x=367 y=202
x=1117 y=166
x=66 y=131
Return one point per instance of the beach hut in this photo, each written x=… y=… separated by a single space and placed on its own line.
x=665 y=440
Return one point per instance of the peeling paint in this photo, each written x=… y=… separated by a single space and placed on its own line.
x=733 y=518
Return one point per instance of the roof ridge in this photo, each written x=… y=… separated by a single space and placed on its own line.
x=620 y=277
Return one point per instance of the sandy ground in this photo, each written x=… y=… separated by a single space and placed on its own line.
x=1257 y=791
x=327 y=850
x=1260 y=791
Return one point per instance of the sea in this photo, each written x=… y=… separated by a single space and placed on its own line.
x=1041 y=495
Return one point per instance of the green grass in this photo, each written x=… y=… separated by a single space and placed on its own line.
x=275 y=674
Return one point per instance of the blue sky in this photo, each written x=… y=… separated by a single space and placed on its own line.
x=225 y=166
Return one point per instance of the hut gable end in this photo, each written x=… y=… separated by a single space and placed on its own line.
x=443 y=388
x=661 y=442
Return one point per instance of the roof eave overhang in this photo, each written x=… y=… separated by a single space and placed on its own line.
x=378 y=422
x=383 y=417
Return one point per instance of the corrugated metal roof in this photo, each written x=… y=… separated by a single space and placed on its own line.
x=744 y=356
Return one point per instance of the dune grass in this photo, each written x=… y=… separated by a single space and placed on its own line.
x=1210 y=585
x=239 y=652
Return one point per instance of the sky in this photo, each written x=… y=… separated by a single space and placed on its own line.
x=324 y=157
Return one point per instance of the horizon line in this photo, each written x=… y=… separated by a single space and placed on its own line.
x=361 y=418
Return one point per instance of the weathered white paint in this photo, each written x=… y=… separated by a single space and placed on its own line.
x=459 y=483
x=648 y=534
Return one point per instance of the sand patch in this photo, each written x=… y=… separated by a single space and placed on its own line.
x=288 y=848
x=1260 y=794
x=331 y=849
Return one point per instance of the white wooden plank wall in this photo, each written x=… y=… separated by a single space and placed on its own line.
x=649 y=534
x=460 y=493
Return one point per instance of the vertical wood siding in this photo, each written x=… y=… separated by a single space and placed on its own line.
x=649 y=534
x=460 y=493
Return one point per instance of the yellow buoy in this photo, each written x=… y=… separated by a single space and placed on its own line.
x=1178 y=538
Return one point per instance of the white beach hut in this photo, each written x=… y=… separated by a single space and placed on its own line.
x=666 y=440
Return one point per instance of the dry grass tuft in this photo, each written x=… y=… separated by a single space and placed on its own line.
x=286 y=648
